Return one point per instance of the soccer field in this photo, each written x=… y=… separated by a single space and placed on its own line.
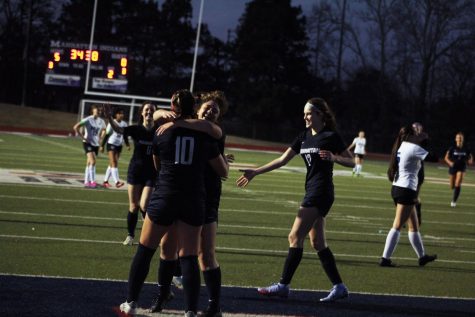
x=50 y=225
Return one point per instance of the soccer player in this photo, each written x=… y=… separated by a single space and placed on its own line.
x=114 y=142
x=457 y=158
x=359 y=144
x=320 y=146
x=405 y=163
x=179 y=200
x=94 y=127
x=141 y=173
x=212 y=107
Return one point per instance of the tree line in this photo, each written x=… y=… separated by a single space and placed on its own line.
x=379 y=63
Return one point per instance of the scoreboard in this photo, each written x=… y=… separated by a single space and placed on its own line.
x=67 y=65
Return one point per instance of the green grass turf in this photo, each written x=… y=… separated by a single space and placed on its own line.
x=78 y=232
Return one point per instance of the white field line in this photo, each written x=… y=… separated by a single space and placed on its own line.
x=248 y=250
x=69 y=147
x=441 y=239
x=224 y=285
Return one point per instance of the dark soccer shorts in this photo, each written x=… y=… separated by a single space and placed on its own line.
x=403 y=196
x=114 y=148
x=322 y=203
x=164 y=210
x=360 y=156
x=138 y=175
x=453 y=170
x=88 y=148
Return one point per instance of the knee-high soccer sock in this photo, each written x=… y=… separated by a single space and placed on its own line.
x=92 y=173
x=132 y=218
x=108 y=174
x=419 y=213
x=138 y=271
x=416 y=242
x=456 y=193
x=191 y=281
x=115 y=174
x=359 y=167
x=329 y=265
x=165 y=275
x=391 y=242
x=213 y=284
x=294 y=256
x=86 y=175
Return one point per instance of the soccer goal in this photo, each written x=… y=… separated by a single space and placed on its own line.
x=131 y=108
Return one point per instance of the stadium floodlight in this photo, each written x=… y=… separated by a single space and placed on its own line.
x=87 y=91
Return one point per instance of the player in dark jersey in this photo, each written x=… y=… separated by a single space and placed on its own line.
x=212 y=106
x=179 y=200
x=457 y=158
x=141 y=173
x=320 y=146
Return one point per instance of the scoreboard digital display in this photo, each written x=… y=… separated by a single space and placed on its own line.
x=67 y=65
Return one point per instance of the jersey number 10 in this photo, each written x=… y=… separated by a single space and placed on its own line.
x=184 y=147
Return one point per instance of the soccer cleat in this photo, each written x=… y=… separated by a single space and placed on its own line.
x=178 y=282
x=423 y=260
x=337 y=292
x=211 y=311
x=128 y=241
x=129 y=308
x=119 y=184
x=277 y=289
x=190 y=314
x=106 y=185
x=160 y=301
x=386 y=263
x=453 y=204
x=92 y=185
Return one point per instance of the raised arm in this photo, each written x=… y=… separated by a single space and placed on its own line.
x=108 y=114
x=249 y=174
x=162 y=115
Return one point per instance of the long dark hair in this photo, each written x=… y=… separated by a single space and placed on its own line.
x=183 y=103
x=328 y=116
x=404 y=134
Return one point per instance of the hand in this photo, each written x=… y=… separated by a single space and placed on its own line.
x=164 y=127
x=326 y=155
x=101 y=149
x=229 y=158
x=248 y=175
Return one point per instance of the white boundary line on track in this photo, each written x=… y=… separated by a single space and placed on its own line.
x=230 y=286
x=257 y=251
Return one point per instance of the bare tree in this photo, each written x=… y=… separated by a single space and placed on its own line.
x=431 y=28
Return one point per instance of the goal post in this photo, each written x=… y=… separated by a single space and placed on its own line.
x=129 y=107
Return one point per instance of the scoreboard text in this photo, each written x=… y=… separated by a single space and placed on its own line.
x=67 y=65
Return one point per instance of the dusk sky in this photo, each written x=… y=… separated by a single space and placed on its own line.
x=221 y=15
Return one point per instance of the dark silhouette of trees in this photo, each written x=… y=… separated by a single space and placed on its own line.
x=379 y=63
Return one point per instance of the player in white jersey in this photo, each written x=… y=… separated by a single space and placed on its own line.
x=406 y=158
x=359 y=144
x=114 y=142
x=93 y=127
